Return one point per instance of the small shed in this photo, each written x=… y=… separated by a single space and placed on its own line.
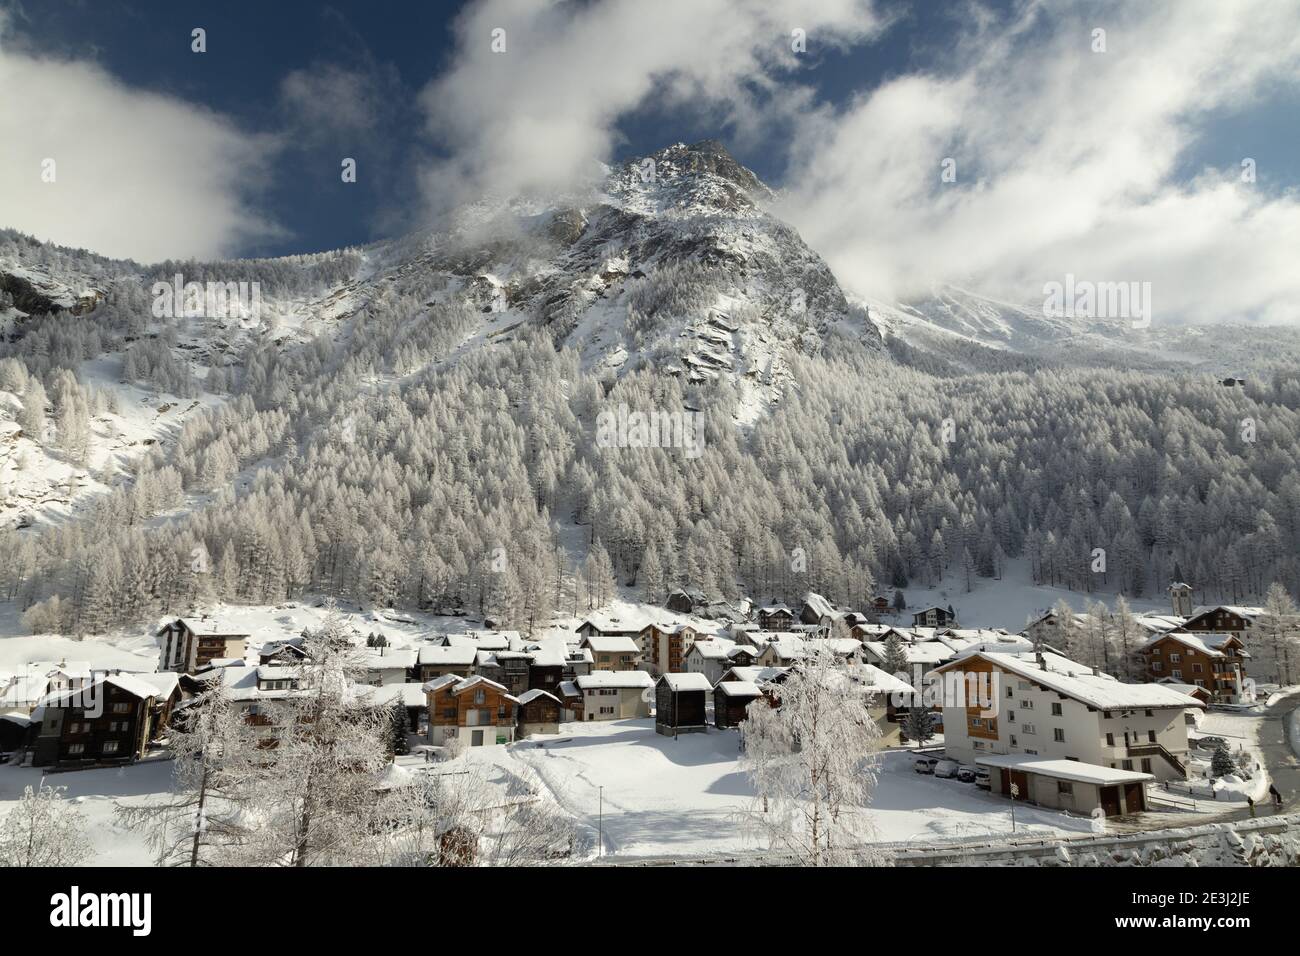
x=681 y=703
x=731 y=700
x=16 y=732
x=571 y=700
x=540 y=712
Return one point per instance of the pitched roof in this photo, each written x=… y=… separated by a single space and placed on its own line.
x=684 y=682
x=756 y=675
x=528 y=696
x=127 y=682
x=618 y=644
x=739 y=688
x=438 y=655
x=623 y=679
x=1078 y=681
x=1063 y=769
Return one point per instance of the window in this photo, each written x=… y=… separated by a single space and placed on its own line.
x=1056 y=710
x=1110 y=740
x=1128 y=764
x=76 y=748
x=479 y=696
x=1058 y=735
x=1156 y=667
x=1027 y=704
x=1028 y=729
x=1151 y=736
x=979 y=745
x=1013 y=740
x=1010 y=692
x=1178 y=674
x=110 y=746
x=1065 y=787
x=1149 y=712
x=1175 y=658
x=122 y=708
x=1106 y=714
x=1011 y=716
x=1197 y=669
x=1031 y=752
x=1146 y=764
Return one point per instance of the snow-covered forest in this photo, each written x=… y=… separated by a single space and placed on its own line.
x=402 y=459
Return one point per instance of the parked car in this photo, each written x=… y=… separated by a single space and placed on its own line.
x=1209 y=743
x=925 y=764
x=966 y=774
x=946 y=768
x=982 y=779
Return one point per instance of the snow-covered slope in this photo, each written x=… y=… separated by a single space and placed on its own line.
x=950 y=320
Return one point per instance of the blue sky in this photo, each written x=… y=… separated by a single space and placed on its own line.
x=1068 y=160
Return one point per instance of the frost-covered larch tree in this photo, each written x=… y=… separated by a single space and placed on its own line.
x=810 y=756
x=217 y=771
x=43 y=829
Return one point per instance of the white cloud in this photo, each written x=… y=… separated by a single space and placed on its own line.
x=138 y=174
x=1067 y=161
x=543 y=112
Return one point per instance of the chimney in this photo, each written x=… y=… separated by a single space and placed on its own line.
x=1040 y=660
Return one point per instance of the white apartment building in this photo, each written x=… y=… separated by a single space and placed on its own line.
x=1057 y=709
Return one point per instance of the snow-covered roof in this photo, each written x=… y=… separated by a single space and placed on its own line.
x=439 y=655
x=1208 y=643
x=617 y=644
x=1078 y=681
x=923 y=652
x=877 y=679
x=757 y=675
x=739 y=688
x=774 y=609
x=1241 y=610
x=212 y=627
x=624 y=679
x=840 y=646
x=818 y=605
x=528 y=696
x=438 y=683
x=609 y=623
x=682 y=682
x=714 y=649
x=127 y=682
x=391 y=658
x=164 y=682
x=408 y=694
x=1063 y=769
x=569 y=689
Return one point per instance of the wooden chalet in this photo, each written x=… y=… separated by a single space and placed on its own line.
x=108 y=721
x=540 y=712
x=477 y=710
x=681 y=703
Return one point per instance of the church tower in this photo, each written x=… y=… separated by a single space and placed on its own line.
x=1180 y=596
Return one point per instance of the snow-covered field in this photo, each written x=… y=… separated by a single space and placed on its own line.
x=651 y=795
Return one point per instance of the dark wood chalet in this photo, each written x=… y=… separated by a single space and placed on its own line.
x=731 y=700
x=109 y=721
x=540 y=712
x=681 y=703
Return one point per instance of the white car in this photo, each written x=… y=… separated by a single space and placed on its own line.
x=925 y=764
x=946 y=768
